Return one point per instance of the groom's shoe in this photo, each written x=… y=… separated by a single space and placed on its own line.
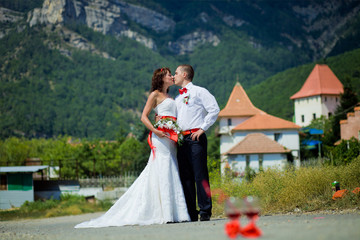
x=204 y=217
x=194 y=216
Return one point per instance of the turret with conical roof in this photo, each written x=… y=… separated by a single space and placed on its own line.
x=239 y=104
x=319 y=96
x=321 y=81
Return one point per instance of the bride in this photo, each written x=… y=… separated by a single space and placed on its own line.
x=156 y=197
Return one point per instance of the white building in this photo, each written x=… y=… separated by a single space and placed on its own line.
x=320 y=95
x=249 y=137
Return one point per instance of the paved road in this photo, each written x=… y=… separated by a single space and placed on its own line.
x=327 y=227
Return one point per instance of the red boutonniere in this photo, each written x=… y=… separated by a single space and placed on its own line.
x=186 y=99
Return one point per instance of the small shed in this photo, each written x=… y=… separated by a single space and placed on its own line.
x=16 y=185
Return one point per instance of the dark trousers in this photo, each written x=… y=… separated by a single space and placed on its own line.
x=192 y=159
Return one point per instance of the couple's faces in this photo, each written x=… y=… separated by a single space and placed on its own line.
x=168 y=79
x=177 y=76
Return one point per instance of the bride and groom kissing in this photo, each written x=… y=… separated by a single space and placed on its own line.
x=167 y=188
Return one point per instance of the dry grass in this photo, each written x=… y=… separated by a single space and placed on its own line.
x=305 y=189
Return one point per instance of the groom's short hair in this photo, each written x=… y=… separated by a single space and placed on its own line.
x=189 y=71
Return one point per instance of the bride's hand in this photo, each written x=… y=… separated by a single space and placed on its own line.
x=160 y=134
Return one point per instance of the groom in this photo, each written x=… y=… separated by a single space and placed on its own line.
x=197 y=110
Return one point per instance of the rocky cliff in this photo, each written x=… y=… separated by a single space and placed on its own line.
x=314 y=25
x=112 y=17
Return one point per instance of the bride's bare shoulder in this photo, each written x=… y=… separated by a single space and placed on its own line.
x=154 y=94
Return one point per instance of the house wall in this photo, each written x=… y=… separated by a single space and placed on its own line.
x=19 y=189
x=228 y=141
x=271 y=160
x=225 y=128
x=318 y=105
x=351 y=127
x=307 y=107
x=15 y=198
x=329 y=104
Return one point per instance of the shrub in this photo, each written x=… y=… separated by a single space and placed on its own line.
x=344 y=153
x=307 y=188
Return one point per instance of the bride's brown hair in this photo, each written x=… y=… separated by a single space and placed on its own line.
x=157 y=82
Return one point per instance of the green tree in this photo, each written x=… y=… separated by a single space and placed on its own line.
x=133 y=154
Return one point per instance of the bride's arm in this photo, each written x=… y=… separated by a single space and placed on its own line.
x=150 y=104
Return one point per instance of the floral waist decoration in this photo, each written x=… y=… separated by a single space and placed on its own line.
x=168 y=125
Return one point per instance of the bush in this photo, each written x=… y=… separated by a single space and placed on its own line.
x=307 y=188
x=344 y=153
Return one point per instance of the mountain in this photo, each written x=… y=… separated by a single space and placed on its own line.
x=83 y=68
x=273 y=94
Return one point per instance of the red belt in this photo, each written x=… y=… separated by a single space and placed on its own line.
x=187 y=132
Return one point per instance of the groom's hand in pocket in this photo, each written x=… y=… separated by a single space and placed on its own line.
x=196 y=135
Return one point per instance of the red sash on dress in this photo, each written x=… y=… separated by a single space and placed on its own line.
x=172 y=135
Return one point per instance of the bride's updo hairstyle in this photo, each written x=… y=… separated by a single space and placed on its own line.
x=157 y=82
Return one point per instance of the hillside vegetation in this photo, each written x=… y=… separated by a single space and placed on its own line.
x=71 y=79
x=273 y=94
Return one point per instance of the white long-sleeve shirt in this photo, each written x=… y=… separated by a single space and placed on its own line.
x=201 y=110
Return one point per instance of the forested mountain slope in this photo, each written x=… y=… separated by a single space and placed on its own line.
x=83 y=68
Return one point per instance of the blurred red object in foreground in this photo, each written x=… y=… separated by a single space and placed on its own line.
x=339 y=194
x=222 y=196
x=356 y=190
x=251 y=231
x=232 y=228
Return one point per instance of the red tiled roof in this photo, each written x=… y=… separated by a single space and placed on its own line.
x=321 y=81
x=257 y=143
x=265 y=121
x=239 y=104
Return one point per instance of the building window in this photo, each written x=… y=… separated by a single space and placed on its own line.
x=277 y=136
x=314 y=116
x=336 y=99
x=302 y=118
x=329 y=114
x=3 y=182
x=229 y=122
x=247 y=161
x=325 y=99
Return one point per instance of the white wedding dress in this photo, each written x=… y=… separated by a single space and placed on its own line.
x=156 y=197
